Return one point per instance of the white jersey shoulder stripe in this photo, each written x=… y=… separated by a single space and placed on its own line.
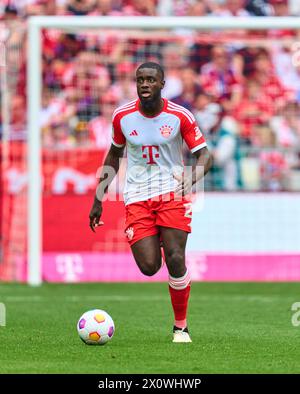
x=182 y=112
x=125 y=106
x=180 y=107
x=186 y=111
x=122 y=110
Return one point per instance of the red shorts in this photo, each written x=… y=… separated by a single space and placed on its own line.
x=143 y=218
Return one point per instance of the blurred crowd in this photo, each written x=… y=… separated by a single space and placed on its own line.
x=245 y=94
x=23 y=8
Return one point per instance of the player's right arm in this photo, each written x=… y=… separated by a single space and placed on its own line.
x=109 y=170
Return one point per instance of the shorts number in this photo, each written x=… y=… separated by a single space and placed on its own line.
x=188 y=210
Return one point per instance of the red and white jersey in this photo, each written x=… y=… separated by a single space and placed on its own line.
x=154 y=147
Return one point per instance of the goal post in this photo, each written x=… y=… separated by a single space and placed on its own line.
x=34 y=89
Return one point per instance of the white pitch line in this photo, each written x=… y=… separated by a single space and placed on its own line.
x=81 y=298
x=119 y=298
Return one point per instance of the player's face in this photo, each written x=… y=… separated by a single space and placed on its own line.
x=149 y=85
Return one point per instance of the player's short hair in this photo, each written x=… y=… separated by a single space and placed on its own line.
x=154 y=65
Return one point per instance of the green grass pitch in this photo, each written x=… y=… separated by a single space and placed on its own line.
x=235 y=327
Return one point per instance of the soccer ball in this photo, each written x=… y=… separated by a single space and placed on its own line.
x=95 y=327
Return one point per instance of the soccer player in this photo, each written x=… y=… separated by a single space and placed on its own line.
x=156 y=194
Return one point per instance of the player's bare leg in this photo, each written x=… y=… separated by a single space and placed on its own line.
x=147 y=254
x=174 y=243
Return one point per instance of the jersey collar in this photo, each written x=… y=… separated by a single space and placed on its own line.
x=147 y=116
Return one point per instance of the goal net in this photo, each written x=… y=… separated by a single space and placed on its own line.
x=14 y=174
x=69 y=74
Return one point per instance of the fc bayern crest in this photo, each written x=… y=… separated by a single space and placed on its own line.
x=129 y=232
x=166 y=131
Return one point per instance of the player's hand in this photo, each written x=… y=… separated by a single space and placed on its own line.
x=95 y=215
x=184 y=186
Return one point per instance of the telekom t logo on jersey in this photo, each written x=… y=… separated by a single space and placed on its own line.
x=151 y=152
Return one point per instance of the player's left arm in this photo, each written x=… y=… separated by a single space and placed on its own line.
x=199 y=170
x=204 y=160
x=195 y=140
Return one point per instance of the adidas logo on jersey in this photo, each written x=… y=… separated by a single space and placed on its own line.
x=134 y=132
